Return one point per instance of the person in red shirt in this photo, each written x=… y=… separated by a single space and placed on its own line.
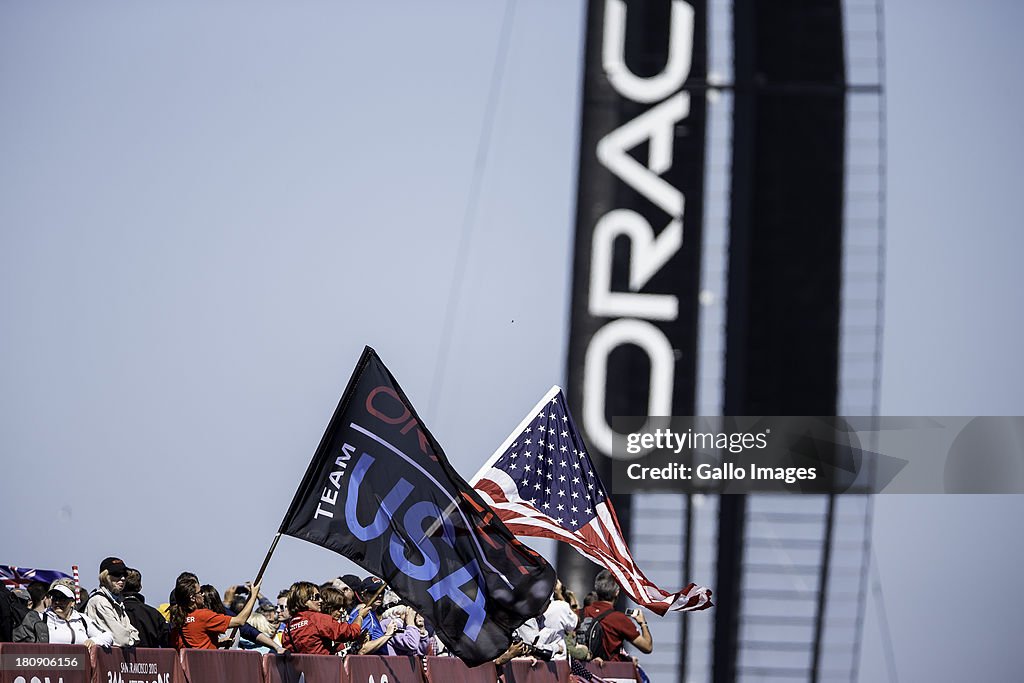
x=195 y=626
x=617 y=628
x=310 y=631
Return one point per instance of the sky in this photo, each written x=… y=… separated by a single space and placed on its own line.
x=948 y=564
x=206 y=211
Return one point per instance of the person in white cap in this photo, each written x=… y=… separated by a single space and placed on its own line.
x=67 y=625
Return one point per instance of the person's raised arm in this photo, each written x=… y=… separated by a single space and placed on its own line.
x=243 y=616
x=407 y=638
x=643 y=642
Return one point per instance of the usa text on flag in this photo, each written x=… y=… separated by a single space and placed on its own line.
x=541 y=483
x=381 y=492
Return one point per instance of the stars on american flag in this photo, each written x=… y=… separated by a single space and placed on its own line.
x=559 y=479
x=535 y=504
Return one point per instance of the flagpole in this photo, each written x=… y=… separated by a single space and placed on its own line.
x=259 y=574
x=266 y=560
x=552 y=392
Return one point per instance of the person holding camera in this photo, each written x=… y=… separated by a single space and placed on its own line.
x=536 y=642
x=415 y=640
x=616 y=628
x=545 y=634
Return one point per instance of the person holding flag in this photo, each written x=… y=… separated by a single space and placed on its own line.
x=382 y=633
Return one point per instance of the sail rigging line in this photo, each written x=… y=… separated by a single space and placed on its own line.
x=472 y=205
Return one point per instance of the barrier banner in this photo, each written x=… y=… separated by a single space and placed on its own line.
x=614 y=672
x=535 y=671
x=447 y=669
x=300 y=668
x=216 y=666
x=374 y=669
x=42 y=662
x=135 y=665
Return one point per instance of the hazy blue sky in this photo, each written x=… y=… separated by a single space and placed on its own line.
x=207 y=210
x=954 y=327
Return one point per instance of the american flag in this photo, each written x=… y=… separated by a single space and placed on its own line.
x=579 y=670
x=21 y=577
x=541 y=482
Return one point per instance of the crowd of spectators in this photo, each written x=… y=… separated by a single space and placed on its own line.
x=344 y=615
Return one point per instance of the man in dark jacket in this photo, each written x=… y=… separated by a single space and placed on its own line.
x=152 y=626
x=12 y=611
x=28 y=631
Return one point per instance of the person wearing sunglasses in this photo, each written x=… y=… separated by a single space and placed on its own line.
x=105 y=605
x=281 y=615
x=310 y=631
x=65 y=624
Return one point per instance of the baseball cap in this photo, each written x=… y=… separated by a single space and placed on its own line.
x=369 y=586
x=114 y=566
x=352 y=581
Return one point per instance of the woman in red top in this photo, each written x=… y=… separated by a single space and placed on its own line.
x=310 y=631
x=195 y=626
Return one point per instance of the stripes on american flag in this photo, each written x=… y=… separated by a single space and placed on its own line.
x=577 y=668
x=541 y=483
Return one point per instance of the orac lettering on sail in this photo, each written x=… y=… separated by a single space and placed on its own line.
x=631 y=311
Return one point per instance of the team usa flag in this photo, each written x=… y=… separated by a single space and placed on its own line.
x=380 y=491
x=541 y=483
x=21 y=577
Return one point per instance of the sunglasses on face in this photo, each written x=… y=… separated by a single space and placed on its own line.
x=316 y=598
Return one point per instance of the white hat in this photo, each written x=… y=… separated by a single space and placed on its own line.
x=63 y=590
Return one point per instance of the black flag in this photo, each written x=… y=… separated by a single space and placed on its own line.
x=381 y=492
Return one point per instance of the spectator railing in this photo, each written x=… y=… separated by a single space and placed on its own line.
x=44 y=663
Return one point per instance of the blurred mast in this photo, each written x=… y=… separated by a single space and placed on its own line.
x=778 y=284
